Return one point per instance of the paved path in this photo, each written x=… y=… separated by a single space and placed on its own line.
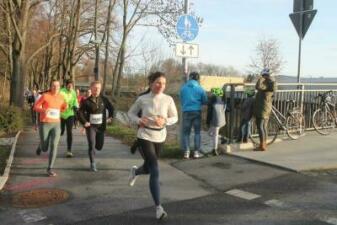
x=209 y=191
x=92 y=194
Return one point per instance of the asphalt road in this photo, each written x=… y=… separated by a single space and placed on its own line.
x=216 y=190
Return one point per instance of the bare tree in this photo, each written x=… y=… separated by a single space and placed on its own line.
x=19 y=14
x=147 y=13
x=267 y=56
x=111 y=6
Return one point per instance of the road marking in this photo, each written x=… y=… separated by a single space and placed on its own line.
x=330 y=220
x=242 y=194
x=276 y=203
x=32 y=216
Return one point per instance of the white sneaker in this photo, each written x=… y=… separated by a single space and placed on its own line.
x=160 y=213
x=132 y=176
x=187 y=155
x=69 y=154
x=196 y=154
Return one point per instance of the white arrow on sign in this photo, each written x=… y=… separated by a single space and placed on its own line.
x=187 y=50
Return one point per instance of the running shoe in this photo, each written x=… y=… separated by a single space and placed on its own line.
x=93 y=167
x=51 y=173
x=132 y=176
x=69 y=154
x=38 y=150
x=160 y=213
x=187 y=155
x=196 y=154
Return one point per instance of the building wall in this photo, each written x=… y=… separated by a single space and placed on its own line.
x=208 y=82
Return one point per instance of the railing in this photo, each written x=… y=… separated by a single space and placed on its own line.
x=303 y=93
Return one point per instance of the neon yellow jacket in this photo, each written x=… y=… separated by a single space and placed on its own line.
x=71 y=100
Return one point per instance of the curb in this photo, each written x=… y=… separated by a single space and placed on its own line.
x=5 y=176
x=262 y=162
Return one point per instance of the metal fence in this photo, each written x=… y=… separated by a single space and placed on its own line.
x=302 y=93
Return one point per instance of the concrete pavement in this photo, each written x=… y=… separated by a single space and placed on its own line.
x=105 y=192
x=310 y=152
x=205 y=191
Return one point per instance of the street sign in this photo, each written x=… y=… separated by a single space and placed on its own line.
x=303 y=5
x=187 y=27
x=186 y=50
x=302 y=26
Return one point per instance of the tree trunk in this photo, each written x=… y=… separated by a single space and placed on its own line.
x=105 y=69
x=19 y=16
x=115 y=72
x=120 y=71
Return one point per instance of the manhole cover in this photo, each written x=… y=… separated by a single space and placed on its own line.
x=39 y=198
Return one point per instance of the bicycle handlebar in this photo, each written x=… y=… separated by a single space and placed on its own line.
x=324 y=94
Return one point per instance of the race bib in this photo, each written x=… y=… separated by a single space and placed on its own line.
x=96 y=118
x=53 y=114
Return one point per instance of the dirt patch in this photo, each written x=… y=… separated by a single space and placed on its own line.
x=39 y=198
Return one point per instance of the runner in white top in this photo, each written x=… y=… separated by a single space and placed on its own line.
x=158 y=111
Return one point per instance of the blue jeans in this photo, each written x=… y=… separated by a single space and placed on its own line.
x=191 y=119
x=244 y=130
x=262 y=125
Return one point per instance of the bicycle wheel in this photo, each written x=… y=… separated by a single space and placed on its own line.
x=272 y=131
x=323 y=121
x=295 y=125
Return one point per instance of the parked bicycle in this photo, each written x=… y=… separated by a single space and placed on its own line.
x=292 y=122
x=324 y=118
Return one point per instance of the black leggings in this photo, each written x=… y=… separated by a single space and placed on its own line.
x=262 y=125
x=95 y=138
x=150 y=152
x=69 y=122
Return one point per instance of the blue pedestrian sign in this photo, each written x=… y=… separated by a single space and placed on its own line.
x=187 y=27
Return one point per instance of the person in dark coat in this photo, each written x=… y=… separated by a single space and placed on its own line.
x=216 y=116
x=265 y=87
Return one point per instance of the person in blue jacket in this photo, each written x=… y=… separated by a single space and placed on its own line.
x=192 y=97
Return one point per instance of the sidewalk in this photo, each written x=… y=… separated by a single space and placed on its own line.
x=311 y=152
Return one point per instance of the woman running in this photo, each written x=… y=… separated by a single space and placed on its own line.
x=158 y=111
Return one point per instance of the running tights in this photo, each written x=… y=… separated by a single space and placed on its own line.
x=150 y=152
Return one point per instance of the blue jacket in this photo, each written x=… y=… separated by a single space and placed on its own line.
x=192 y=96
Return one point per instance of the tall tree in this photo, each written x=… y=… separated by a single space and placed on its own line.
x=19 y=12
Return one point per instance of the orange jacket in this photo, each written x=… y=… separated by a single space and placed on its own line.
x=50 y=106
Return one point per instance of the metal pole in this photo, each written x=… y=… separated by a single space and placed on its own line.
x=300 y=44
x=185 y=72
x=299 y=61
x=231 y=115
x=184 y=60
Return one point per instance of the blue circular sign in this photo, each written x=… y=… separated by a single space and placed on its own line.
x=187 y=27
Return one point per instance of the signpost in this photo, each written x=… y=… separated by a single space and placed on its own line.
x=187 y=29
x=187 y=50
x=302 y=17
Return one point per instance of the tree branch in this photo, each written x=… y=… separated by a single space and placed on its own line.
x=42 y=47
